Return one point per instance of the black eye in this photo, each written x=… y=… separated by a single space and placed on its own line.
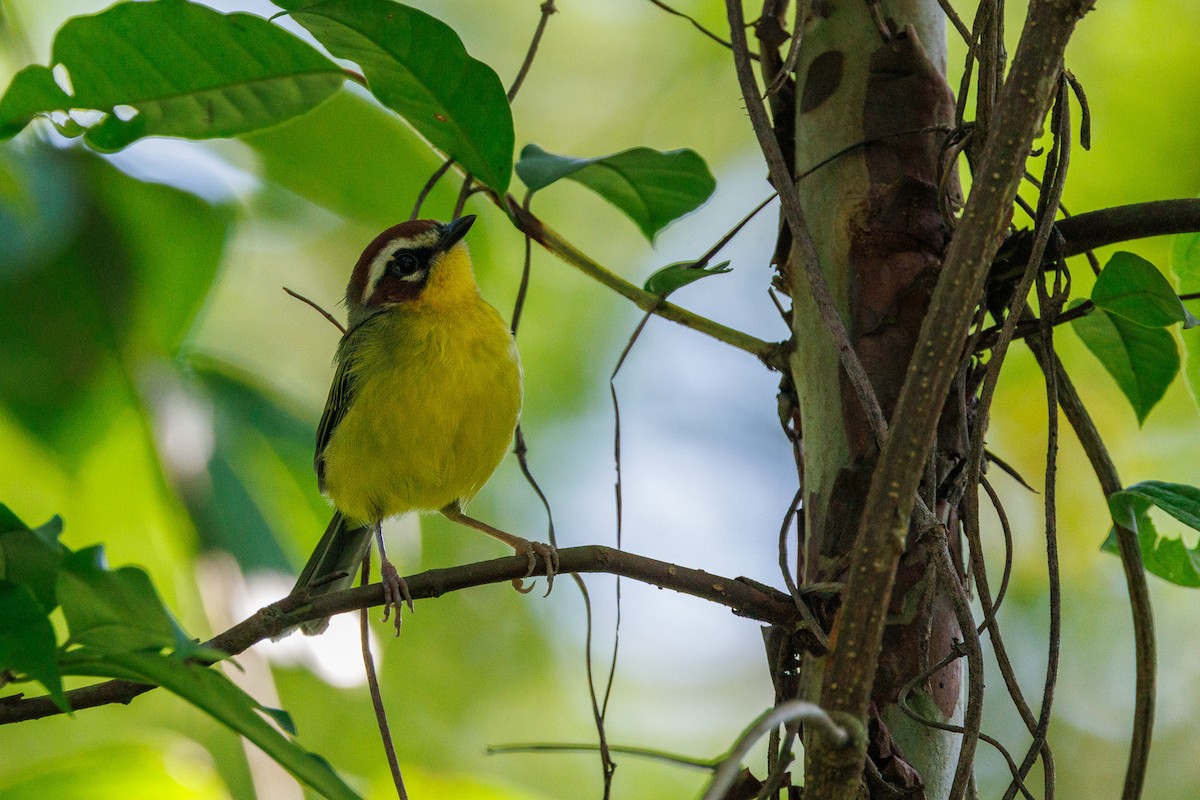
x=403 y=264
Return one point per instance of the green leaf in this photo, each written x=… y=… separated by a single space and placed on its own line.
x=173 y=68
x=213 y=693
x=31 y=558
x=1143 y=361
x=27 y=642
x=653 y=188
x=680 y=274
x=353 y=181
x=1131 y=287
x=1167 y=557
x=418 y=67
x=115 y=610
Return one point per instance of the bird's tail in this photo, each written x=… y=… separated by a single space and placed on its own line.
x=334 y=564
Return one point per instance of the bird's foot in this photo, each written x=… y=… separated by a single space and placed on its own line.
x=395 y=592
x=531 y=551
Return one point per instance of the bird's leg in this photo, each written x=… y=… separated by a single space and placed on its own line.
x=524 y=547
x=395 y=588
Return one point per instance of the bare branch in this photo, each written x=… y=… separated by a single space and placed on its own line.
x=745 y=598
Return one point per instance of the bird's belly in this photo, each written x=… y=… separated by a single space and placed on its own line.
x=426 y=431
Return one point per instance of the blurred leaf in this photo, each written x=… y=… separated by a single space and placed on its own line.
x=10 y=521
x=418 y=67
x=176 y=242
x=123 y=284
x=1185 y=263
x=157 y=765
x=653 y=188
x=180 y=68
x=351 y=181
x=31 y=558
x=1167 y=557
x=213 y=693
x=117 y=610
x=40 y=210
x=680 y=274
x=1143 y=361
x=1131 y=287
x=261 y=466
x=55 y=371
x=27 y=642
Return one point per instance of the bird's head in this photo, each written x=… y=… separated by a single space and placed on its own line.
x=419 y=261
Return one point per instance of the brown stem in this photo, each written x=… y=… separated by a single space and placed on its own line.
x=385 y=731
x=547 y=9
x=1107 y=226
x=1135 y=574
x=745 y=598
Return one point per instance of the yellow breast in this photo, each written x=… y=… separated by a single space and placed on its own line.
x=437 y=396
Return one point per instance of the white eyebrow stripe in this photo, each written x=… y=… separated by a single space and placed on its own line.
x=379 y=264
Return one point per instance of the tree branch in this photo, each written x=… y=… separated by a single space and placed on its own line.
x=744 y=597
x=858 y=631
x=1107 y=226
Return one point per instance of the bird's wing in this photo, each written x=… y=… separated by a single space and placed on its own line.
x=341 y=394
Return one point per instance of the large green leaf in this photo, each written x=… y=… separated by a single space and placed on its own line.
x=172 y=68
x=653 y=188
x=213 y=693
x=115 y=610
x=353 y=181
x=1131 y=287
x=1167 y=557
x=1142 y=360
x=27 y=642
x=418 y=67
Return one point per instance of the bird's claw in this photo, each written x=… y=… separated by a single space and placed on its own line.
x=395 y=593
x=548 y=554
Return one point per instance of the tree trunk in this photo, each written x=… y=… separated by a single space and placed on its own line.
x=871 y=115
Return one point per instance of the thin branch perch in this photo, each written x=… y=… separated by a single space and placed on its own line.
x=745 y=598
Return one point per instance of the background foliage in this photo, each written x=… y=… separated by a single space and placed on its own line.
x=143 y=324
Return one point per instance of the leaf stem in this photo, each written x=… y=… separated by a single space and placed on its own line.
x=770 y=353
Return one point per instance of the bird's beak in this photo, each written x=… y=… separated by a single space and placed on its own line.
x=454 y=231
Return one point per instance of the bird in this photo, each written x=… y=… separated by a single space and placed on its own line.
x=425 y=399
